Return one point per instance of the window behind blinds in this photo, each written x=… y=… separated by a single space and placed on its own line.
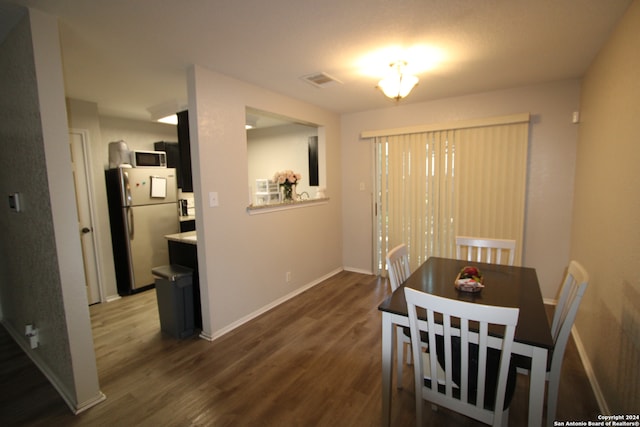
x=435 y=184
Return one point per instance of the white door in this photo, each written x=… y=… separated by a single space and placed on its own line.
x=81 y=178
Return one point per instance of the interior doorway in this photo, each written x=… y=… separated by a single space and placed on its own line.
x=79 y=147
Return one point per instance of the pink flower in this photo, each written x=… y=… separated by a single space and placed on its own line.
x=287 y=177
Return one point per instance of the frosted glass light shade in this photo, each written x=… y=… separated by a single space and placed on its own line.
x=397 y=84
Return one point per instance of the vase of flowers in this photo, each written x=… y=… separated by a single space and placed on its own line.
x=287 y=181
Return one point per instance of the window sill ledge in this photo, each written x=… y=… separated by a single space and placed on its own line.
x=262 y=209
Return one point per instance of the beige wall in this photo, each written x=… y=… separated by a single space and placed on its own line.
x=317 y=241
x=139 y=135
x=40 y=256
x=606 y=222
x=244 y=258
x=278 y=148
x=551 y=166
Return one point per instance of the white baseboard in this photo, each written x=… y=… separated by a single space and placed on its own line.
x=90 y=403
x=67 y=395
x=217 y=334
x=205 y=336
x=595 y=386
x=358 y=270
x=112 y=298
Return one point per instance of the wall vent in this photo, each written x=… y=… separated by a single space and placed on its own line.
x=321 y=79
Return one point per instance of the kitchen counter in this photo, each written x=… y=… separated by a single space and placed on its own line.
x=187 y=218
x=188 y=237
x=273 y=207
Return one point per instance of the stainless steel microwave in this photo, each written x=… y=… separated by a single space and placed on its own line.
x=140 y=159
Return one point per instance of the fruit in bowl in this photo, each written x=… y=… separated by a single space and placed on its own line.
x=469 y=280
x=470 y=272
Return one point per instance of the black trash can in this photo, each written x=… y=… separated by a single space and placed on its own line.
x=174 y=291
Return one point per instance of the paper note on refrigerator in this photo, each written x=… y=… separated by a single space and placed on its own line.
x=158 y=186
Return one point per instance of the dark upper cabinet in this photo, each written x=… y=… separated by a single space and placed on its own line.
x=188 y=225
x=173 y=157
x=185 y=151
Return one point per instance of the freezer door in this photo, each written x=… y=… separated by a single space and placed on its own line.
x=145 y=186
x=148 y=248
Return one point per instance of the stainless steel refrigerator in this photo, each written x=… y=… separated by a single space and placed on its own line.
x=143 y=208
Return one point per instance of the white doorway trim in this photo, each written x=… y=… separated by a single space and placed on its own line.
x=92 y=255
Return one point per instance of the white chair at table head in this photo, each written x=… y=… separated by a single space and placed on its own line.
x=480 y=249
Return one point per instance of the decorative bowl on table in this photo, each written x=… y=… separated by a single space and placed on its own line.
x=469 y=280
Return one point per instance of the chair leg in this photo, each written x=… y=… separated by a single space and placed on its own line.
x=552 y=397
x=419 y=411
x=505 y=417
x=399 y=357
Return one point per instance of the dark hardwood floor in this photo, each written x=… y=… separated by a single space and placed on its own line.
x=312 y=361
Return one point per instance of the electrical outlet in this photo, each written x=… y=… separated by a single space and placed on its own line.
x=32 y=333
x=288 y=276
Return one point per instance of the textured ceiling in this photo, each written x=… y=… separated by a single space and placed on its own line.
x=128 y=56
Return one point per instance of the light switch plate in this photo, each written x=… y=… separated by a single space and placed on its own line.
x=14 y=202
x=213 y=199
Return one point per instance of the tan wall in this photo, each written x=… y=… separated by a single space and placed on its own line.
x=244 y=258
x=41 y=260
x=551 y=163
x=606 y=219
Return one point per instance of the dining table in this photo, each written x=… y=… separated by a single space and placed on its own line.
x=506 y=286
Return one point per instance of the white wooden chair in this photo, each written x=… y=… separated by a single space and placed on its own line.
x=573 y=288
x=485 y=250
x=476 y=366
x=398 y=268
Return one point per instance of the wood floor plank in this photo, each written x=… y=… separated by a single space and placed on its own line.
x=315 y=360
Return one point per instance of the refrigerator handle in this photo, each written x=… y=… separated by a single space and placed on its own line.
x=126 y=188
x=130 y=222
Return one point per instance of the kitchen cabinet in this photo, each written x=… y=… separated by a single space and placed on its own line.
x=185 y=151
x=187 y=225
x=173 y=157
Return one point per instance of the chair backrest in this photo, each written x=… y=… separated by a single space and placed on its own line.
x=398 y=266
x=573 y=288
x=464 y=353
x=485 y=250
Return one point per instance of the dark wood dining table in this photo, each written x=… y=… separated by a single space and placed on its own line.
x=507 y=286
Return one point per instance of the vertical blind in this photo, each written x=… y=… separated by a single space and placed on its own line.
x=465 y=180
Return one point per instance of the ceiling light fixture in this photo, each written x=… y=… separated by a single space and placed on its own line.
x=398 y=83
x=171 y=119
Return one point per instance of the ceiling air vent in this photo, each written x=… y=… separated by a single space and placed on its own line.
x=320 y=79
